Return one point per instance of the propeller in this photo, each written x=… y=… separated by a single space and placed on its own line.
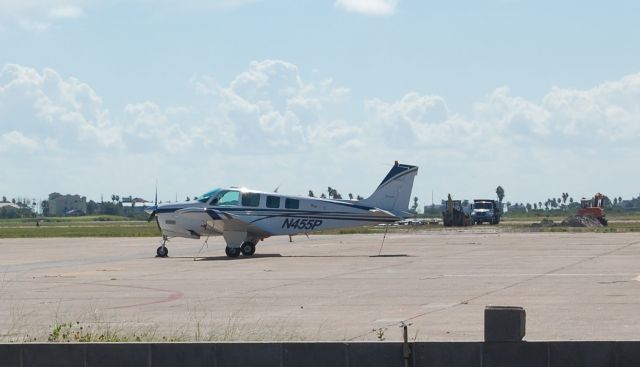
x=154 y=209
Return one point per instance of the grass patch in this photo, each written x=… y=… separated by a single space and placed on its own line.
x=139 y=230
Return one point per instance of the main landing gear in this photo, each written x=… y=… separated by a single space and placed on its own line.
x=163 y=251
x=247 y=248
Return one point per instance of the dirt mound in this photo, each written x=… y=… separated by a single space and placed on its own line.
x=544 y=223
x=580 y=221
x=571 y=221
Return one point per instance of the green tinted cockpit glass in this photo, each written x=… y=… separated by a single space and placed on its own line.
x=206 y=196
x=228 y=198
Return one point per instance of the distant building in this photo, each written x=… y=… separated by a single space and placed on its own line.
x=60 y=205
x=9 y=205
x=135 y=204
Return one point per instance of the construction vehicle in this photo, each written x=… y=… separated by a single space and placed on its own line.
x=486 y=210
x=454 y=214
x=593 y=207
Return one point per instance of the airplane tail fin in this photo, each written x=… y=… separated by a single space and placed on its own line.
x=394 y=193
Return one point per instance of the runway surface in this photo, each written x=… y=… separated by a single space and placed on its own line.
x=582 y=286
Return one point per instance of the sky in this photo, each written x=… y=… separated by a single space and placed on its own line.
x=105 y=97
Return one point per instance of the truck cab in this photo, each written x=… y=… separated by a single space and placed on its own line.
x=487 y=211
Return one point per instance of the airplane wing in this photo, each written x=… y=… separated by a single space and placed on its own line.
x=220 y=222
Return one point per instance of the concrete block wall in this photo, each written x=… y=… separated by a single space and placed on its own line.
x=312 y=354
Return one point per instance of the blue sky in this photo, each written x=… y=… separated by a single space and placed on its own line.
x=101 y=97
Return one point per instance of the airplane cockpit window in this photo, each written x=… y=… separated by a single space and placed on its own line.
x=250 y=199
x=205 y=197
x=228 y=198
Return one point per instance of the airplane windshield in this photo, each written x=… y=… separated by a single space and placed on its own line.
x=205 y=197
x=228 y=198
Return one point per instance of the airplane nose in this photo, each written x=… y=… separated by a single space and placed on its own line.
x=152 y=210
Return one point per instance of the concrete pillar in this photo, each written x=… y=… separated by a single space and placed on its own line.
x=504 y=324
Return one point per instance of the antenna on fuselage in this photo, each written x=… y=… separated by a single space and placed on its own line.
x=276 y=189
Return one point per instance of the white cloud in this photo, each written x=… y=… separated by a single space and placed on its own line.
x=39 y=16
x=47 y=104
x=33 y=25
x=269 y=105
x=66 y=12
x=17 y=142
x=606 y=114
x=150 y=128
x=268 y=115
x=369 y=7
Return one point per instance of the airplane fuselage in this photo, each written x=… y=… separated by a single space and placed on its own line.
x=266 y=214
x=245 y=217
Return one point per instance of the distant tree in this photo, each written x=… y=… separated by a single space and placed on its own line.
x=330 y=192
x=44 y=205
x=13 y=200
x=500 y=193
x=414 y=207
x=571 y=200
x=615 y=201
x=359 y=197
x=4 y=199
x=619 y=199
x=92 y=207
x=188 y=199
x=350 y=196
x=540 y=204
x=528 y=207
x=535 y=206
x=111 y=208
x=323 y=196
x=311 y=194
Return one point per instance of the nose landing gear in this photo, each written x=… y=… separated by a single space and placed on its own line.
x=163 y=251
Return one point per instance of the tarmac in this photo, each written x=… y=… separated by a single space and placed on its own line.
x=573 y=286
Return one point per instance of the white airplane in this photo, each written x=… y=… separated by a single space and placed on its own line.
x=244 y=217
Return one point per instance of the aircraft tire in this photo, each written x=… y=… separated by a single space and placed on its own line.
x=232 y=252
x=248 y=248
x=162 y=251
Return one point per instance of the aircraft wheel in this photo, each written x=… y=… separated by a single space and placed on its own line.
x=162 y=251
x=232 y=252
x=248 y=248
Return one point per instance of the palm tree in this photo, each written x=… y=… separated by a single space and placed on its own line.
x=415 y=203
x=500 y=193
x=311 y=194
